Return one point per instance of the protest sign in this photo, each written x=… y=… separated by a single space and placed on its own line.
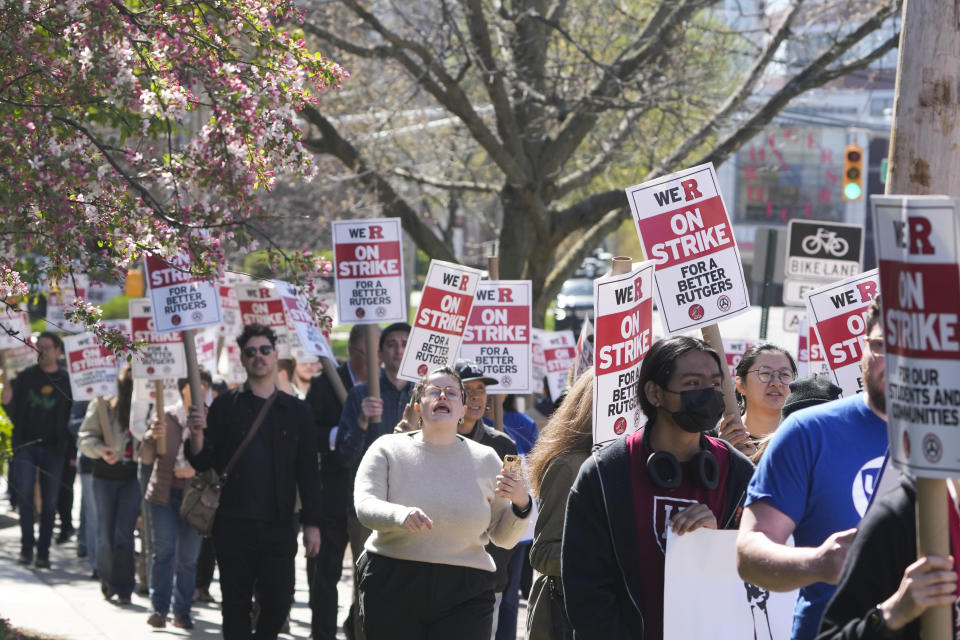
x=206 y=343
x=92 y=368
x=60 y=298
x=734 y=348
x=232 y=325
x=559 y=351
x=837 y=312
x=684 y=228
x=230 y=366
x=701 y=586
x=19 y=358
x=260 y=303
x=163 y=355
x=448 y=295
x=538 y=362
x=497 y=336
x=300 y=315
x=811 y=359
x=14 y=328
x=917 y=249
x=368 y=263
x=180 y=300
x=623 y=310
x=144 y=397
x=585 y=348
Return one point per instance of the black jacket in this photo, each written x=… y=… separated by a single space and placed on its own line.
x=885 y=545
x=294 y=462
x=334 y=474
x=40 y=408
x=599 y=557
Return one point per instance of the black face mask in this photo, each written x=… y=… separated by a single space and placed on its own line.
x=700 y=409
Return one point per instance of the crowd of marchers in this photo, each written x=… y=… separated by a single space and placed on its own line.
x=445 y=530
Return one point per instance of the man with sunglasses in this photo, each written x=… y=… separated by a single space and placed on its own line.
x=358 y=430
x=255 y=533
x=814 y=482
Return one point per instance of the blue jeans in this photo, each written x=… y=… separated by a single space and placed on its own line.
x=87 y=534
x=510 y=604
x=118 y=505
x=26 y=461
x=176 y=546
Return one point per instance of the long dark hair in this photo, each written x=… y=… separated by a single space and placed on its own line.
x=750 y=358
x=660 y=363
x=569 y=429
x=124 y=397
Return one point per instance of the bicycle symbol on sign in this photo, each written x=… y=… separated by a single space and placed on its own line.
x=827 y=241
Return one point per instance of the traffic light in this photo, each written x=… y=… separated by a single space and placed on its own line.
x=852 y=172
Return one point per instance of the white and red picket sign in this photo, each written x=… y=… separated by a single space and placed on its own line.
x=60 y=297
x=623 y=309
x=684 y=228
x=497 y=336
x=92 y=367
x=260 y=303
x=368 y=263
x=559 y=352
x=585 y=344
x=448 y=295
x=838 y=313
x=229 y=305
x=734 y=348
x=538 y=362
x=918 y=248
x=163 y=357
x=180 y=300
x=304 y=323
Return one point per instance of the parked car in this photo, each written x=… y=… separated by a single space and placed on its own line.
x=574 y=303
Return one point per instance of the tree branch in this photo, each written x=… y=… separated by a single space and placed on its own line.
x=453 y=185
x=608 y=148
x=331 y=142
x=570 y=261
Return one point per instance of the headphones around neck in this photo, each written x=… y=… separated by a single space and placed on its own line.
x=666 y=472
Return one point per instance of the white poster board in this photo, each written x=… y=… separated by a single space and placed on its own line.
x=623 y=309
x=684 y=228
x=180 y=300
x=734 y=348
x=60 y=297
x=14 y=328
x=838 y=314
x=448 y=295
x=163 y=356
x=918 y=246
x=497 y=336
x=704 y=597
x=232 y=324
x=300 y=315
x=368 y=263
x=92 y=368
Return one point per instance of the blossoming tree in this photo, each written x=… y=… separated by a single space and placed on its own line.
x=130 y=128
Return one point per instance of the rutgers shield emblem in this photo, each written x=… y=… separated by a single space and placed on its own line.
x=663 y=510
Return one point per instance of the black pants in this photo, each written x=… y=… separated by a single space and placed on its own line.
x=67 y=480
x=411 y=600
x=252 y=556
x=323 y=575
x=206 y=562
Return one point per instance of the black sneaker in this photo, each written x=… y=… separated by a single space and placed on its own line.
x=43 y=562
x=26 y=558
x=65 y=535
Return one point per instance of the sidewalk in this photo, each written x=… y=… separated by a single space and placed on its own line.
x=64 y=602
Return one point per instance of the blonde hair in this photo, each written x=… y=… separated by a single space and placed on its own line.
x=569 y=429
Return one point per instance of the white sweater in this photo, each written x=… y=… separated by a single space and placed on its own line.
x=453 y=484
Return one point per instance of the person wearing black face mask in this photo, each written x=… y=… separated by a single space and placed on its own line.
x=669 y=474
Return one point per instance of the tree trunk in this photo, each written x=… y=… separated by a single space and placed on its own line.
x=524 y=253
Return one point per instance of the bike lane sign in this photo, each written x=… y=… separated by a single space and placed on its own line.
x=820 y=253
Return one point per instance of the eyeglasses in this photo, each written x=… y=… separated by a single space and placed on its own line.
x=784 y=376
x=451 y=393
x=877 y=346
x=264 y=349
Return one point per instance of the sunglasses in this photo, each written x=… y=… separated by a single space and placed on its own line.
x=264 y=349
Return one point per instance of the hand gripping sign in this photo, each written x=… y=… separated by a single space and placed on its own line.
x=448 y=295
x=684 y=228
x=918 y=246
x=368 y=258
x=559 y=353
x=163 y=357
x=180 y=300
x=260 y=303
x=304 y=323
x=92 y=367
x=497 y=337
x=838 y=314
x=623 y=308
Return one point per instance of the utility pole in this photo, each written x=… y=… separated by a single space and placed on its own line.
x=924 y=160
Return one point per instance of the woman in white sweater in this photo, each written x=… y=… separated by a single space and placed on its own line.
x=433 y=500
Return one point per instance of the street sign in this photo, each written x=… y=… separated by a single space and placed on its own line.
x=792 y=317
x=819 y=253
x=793 y=290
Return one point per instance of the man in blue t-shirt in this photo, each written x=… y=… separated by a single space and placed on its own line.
x=814 y=482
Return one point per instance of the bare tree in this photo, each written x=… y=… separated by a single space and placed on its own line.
x=542 y=111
